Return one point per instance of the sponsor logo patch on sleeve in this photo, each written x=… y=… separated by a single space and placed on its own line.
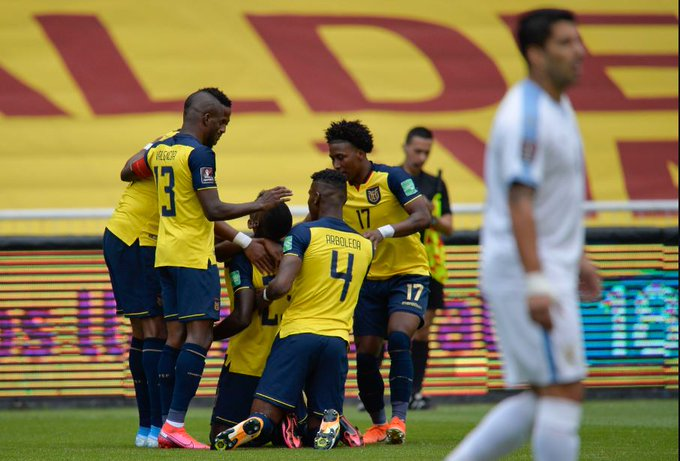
x=207 y=175
x=528 y=151
x=288 y=243
x=408 y=187
x=235 y=278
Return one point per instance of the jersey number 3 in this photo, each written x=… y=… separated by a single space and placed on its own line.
x=346 y=276
x=169 y=189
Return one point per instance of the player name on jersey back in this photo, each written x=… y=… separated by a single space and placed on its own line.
x=343 y=241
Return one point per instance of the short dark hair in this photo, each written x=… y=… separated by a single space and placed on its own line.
x=214 y=92
x=419 y=131
x=353 y=132
x=331 y=177
x=275 y=223
x=535 y=27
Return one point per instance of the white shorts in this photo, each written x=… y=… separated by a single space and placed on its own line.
x=530 y=354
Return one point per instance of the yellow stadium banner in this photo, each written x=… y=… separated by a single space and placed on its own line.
x=84 y=85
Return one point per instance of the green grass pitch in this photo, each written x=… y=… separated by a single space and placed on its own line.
x=612 y=430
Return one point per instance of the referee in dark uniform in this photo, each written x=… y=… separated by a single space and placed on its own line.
x=417 y=150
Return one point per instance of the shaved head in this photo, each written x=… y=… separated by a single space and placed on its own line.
x=206 y=100
x=206 y=115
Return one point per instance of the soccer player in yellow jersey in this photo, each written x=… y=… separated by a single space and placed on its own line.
x=183 y=167
x=129 y=246
x=251 y=331
x=384 y=204
x=323 y=267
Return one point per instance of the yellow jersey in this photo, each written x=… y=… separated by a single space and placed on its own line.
x=181 y=165
x=249 y=349
x=335 y=260
x=378 y=202
x=136 y=215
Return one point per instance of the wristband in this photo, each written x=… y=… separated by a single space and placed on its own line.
x=538 y=285
x=264 y=294
x=242 y=240
x=386 y=231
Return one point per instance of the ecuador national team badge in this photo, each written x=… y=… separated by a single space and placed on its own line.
x=217 y=304
x=373 y=195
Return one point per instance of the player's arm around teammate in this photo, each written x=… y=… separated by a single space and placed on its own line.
x=418 y=219
x=136 y=168
x=184 y=171
x=386 y=207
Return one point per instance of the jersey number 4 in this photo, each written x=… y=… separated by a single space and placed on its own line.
x=169 y=189
x=346 y=276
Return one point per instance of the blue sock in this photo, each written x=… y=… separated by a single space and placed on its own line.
x=153 y=347
x=371 y=386
x=139 y=380
x=419 y=352
x=401 y=372
x=166 y=377
x=189 y=370
x=267 y=429
x=154 y=431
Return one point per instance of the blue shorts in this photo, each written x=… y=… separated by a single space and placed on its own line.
x=378 y=299
x=190 y=294
x=234 y=397
x=135 y=281
x=313 y=363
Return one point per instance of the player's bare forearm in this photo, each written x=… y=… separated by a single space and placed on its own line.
x=226 y=250
x=216 y=210
x=590 y=283
x=443 y=224
x=521 y=201
x=224 y=231
x=419 y=218
x=281 y=284
x=240 y=317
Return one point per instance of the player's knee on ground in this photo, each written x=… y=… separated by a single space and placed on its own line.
x=216 y=429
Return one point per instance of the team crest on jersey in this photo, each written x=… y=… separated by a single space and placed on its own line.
x=373 y=195
x=528 y=151
x=207 y=175
x=408 y=187
x=235 y=278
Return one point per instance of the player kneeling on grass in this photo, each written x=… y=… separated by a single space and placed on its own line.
x=251 y=331
x=324 y=264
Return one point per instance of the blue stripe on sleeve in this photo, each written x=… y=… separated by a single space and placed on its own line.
x=530 y=97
